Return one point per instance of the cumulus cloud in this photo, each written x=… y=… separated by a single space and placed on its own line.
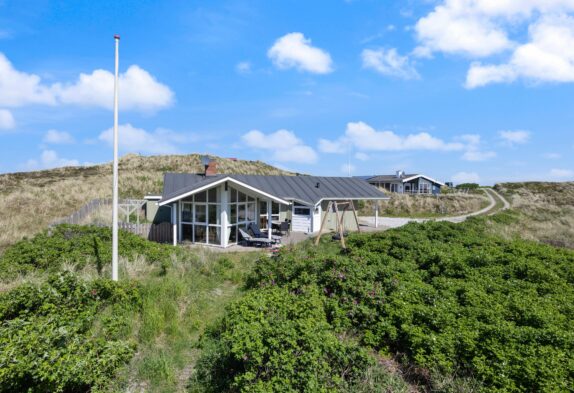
x=49 y=159
x=19 y=88
x=6 y=120
x=139 y=90
x=56 y=137
x=514 y=137
x=365 y=138
x=283 y=145
x=561 y=174
x=465 y=177
x=459 y=27
x=138 y=140
x=389 y=62
x=293 y=50
x=547 y=57
x=479 y=29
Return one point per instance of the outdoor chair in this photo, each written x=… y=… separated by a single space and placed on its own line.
x=255 y=241
x=254 y=228
x=284 y=227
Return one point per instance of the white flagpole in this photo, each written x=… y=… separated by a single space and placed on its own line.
x=115 y=182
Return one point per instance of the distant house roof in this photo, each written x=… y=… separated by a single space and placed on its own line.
x=393 y=178
x=305 y=189
x=387 y=178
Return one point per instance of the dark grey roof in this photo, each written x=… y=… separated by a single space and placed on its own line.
x=300 y=188
x=388 y=178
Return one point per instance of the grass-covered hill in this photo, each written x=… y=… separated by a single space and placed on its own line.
x=31 y=200
x=544 y=211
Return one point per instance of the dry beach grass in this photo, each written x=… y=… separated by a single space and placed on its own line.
x=546 y=211
x=31 y=200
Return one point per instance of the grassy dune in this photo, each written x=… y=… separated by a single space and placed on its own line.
x=545 y=211
x=401 y=205
x=31 y=200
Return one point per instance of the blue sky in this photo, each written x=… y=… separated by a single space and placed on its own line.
x=462 y=90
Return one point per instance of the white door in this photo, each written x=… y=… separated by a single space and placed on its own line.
x=301 y=221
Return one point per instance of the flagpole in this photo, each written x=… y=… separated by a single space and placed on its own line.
x=115 y=181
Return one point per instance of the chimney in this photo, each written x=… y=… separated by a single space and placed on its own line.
x=211 y=168
x=400 y=174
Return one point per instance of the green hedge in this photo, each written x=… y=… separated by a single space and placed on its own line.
x=79 y=245
x=274 y=340
x=451 y=298
x=49 y=339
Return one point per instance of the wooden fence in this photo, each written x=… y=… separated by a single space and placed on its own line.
x=161 y=233
x=125 y=206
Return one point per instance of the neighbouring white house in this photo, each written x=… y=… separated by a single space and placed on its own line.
x=209 y=208
x=403 y=183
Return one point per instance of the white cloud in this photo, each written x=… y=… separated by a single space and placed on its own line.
x=465 y=177
x=514 y=137
x=457 y=27
x=138 y=140
x=57 y=137
x=243 y=67
x=547 y=57
x=139 y=90
x=483 y=28
x=6 y=120
x=327 y=146
x=362 y=156
x=293 y=50
x=365 y=138
x=389 y=62
x=49 y=159
x=473 y=148
x=19 y=88
x=283 y=145
x=477 y=155
x=561 y=173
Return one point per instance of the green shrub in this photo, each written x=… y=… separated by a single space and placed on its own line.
x=451 y=298
x=274 y=340
x=468 y=186
x=78 y=245
x=50 y=341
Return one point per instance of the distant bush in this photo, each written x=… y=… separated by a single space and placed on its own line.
x=274 y=340
x=468 y=186
x=50 y=342
x=450 y=298
x=79 y=245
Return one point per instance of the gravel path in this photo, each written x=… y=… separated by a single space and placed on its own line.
x=395 y=222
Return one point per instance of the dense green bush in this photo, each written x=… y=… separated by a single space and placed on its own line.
x=78 y=245
x=49 y=338
x=274 y=340
x=451 y=298
x=467 y=186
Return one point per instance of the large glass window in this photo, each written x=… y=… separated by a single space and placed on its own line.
x=200 y=233
x=242 y=210
x=186 y=212
x=200 y=213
